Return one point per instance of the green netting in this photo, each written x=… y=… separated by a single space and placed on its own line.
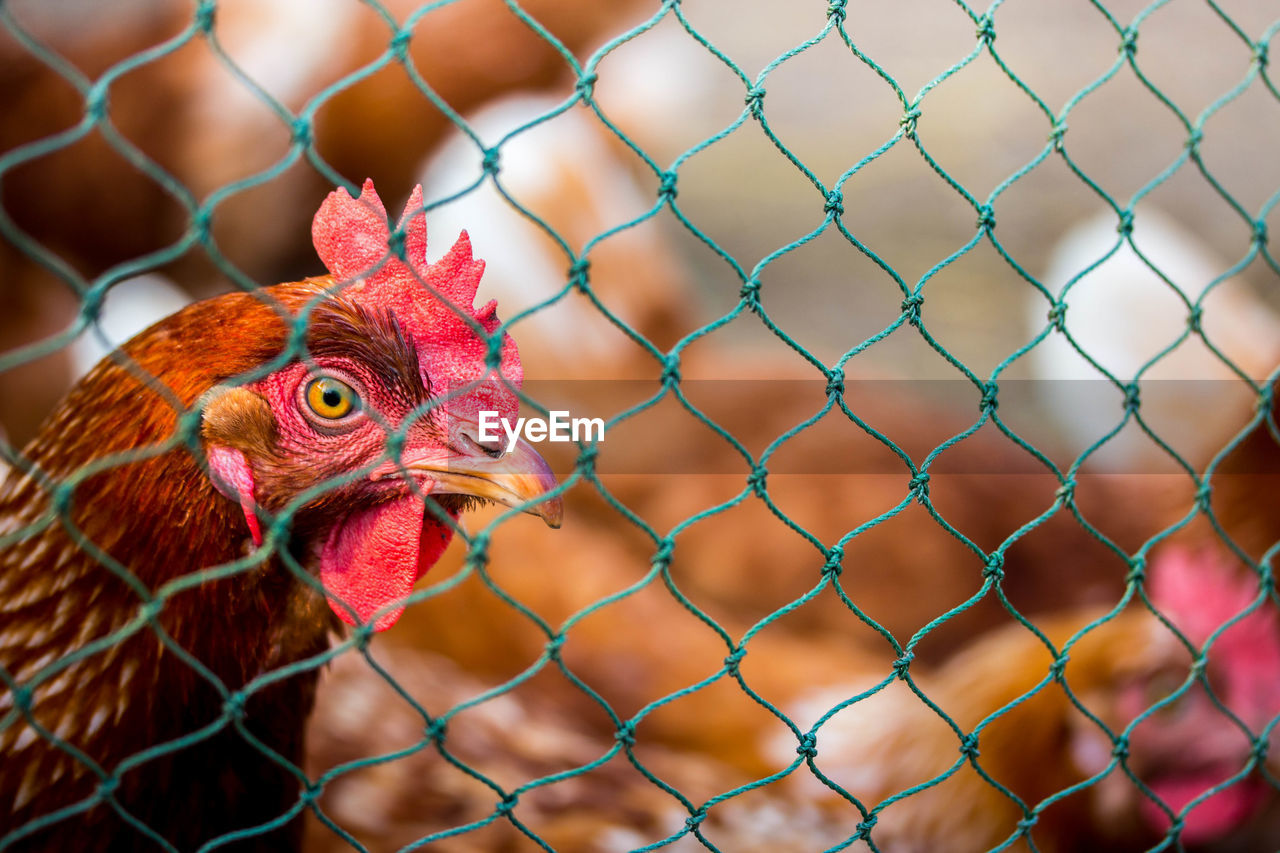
x=831 y=573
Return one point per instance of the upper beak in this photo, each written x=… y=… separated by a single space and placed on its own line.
x=515 y=479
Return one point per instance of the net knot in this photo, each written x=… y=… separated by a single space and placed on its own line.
x=902 y=664
x=986 y=29
x=626 y=734
x=834 y=205
x=1125 y=226
x=1204 y=495
x=507 y=804
x=587 y=459
x=62 y=498
x=908 y=122
x=206 y=11
x=835 y=9
x=1066 y=492
x=989 y=401
x=808 y=747
x=400 y=44
x=91 y=302
x=300 y=132
x=233 y=705
x=108 y=786
x=1058 y=316
x=1129 y=42
x=1264 y=398
x=667 y=186
x=1198 y=666
x=1194 y=138
x=1028 y=822
x=835 y=562
x=554 y=644
x=490 y=163
x=756 y=479
x=864 y=827
x=579 y=274
x=969 y=746
x=478 y=552
x=1267 y=583
x=95 y=101
x=1259 y=748
x=1260 y=232
x=393 y=449
x=150 y=610
x=750 y=292
x=1137 y=569
x=1121 y=748
x=395 y=242
x=362 y=635
x=493 y=356
x=200 y=221
x=835 y=382
x=993 y=566
x=733 y=659
x=22 y=698
x=1194 y=319
x=755 y=101
x=693 y=821
x=1056 y=134
x=1059 y=667
x=919 y=485
x=435 y=730
x=586 y=85
x=1261 y=54
x=310 y=793
x=662 y=556
x=911 y=308
x=1132 y=397
x=986 y=218
x=671 y=369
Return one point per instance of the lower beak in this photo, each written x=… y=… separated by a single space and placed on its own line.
x=519 y=479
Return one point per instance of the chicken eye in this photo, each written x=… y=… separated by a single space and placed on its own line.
x=331 y=398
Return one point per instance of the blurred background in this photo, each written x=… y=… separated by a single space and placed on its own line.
x=147 y=162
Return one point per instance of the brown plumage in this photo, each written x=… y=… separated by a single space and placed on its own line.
x=138 y=692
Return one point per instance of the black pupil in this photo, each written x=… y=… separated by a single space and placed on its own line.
x=332 y=397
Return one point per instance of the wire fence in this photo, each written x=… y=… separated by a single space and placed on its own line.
x=56 y=489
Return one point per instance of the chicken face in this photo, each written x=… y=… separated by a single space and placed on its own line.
x=382 y=412
x=1188 y=746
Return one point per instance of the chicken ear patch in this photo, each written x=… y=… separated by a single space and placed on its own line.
x=233 y=477
x=372 y=559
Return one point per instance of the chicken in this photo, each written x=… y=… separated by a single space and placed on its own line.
x=1123 y=314
x=1032 y=734
x=164 y=616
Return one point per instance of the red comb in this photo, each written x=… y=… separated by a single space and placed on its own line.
x=1201 y=590
x=352 y=236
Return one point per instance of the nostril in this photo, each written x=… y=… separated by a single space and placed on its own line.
x=492 y=449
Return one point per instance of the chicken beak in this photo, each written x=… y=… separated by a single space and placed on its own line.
x=515 y=479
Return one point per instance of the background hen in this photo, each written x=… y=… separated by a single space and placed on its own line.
x=1126 y=705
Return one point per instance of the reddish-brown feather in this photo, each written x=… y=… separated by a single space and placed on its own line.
x=153 y=514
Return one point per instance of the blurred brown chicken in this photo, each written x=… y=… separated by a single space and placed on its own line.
x=1035 y=740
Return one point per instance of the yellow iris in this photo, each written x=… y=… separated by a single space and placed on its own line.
x=331 y=398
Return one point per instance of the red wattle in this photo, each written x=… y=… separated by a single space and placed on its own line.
x=1211 y=819
x=374 y=557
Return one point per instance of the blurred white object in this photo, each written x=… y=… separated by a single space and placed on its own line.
x=128 y=308
x=567 y=173
x=1123 y=314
